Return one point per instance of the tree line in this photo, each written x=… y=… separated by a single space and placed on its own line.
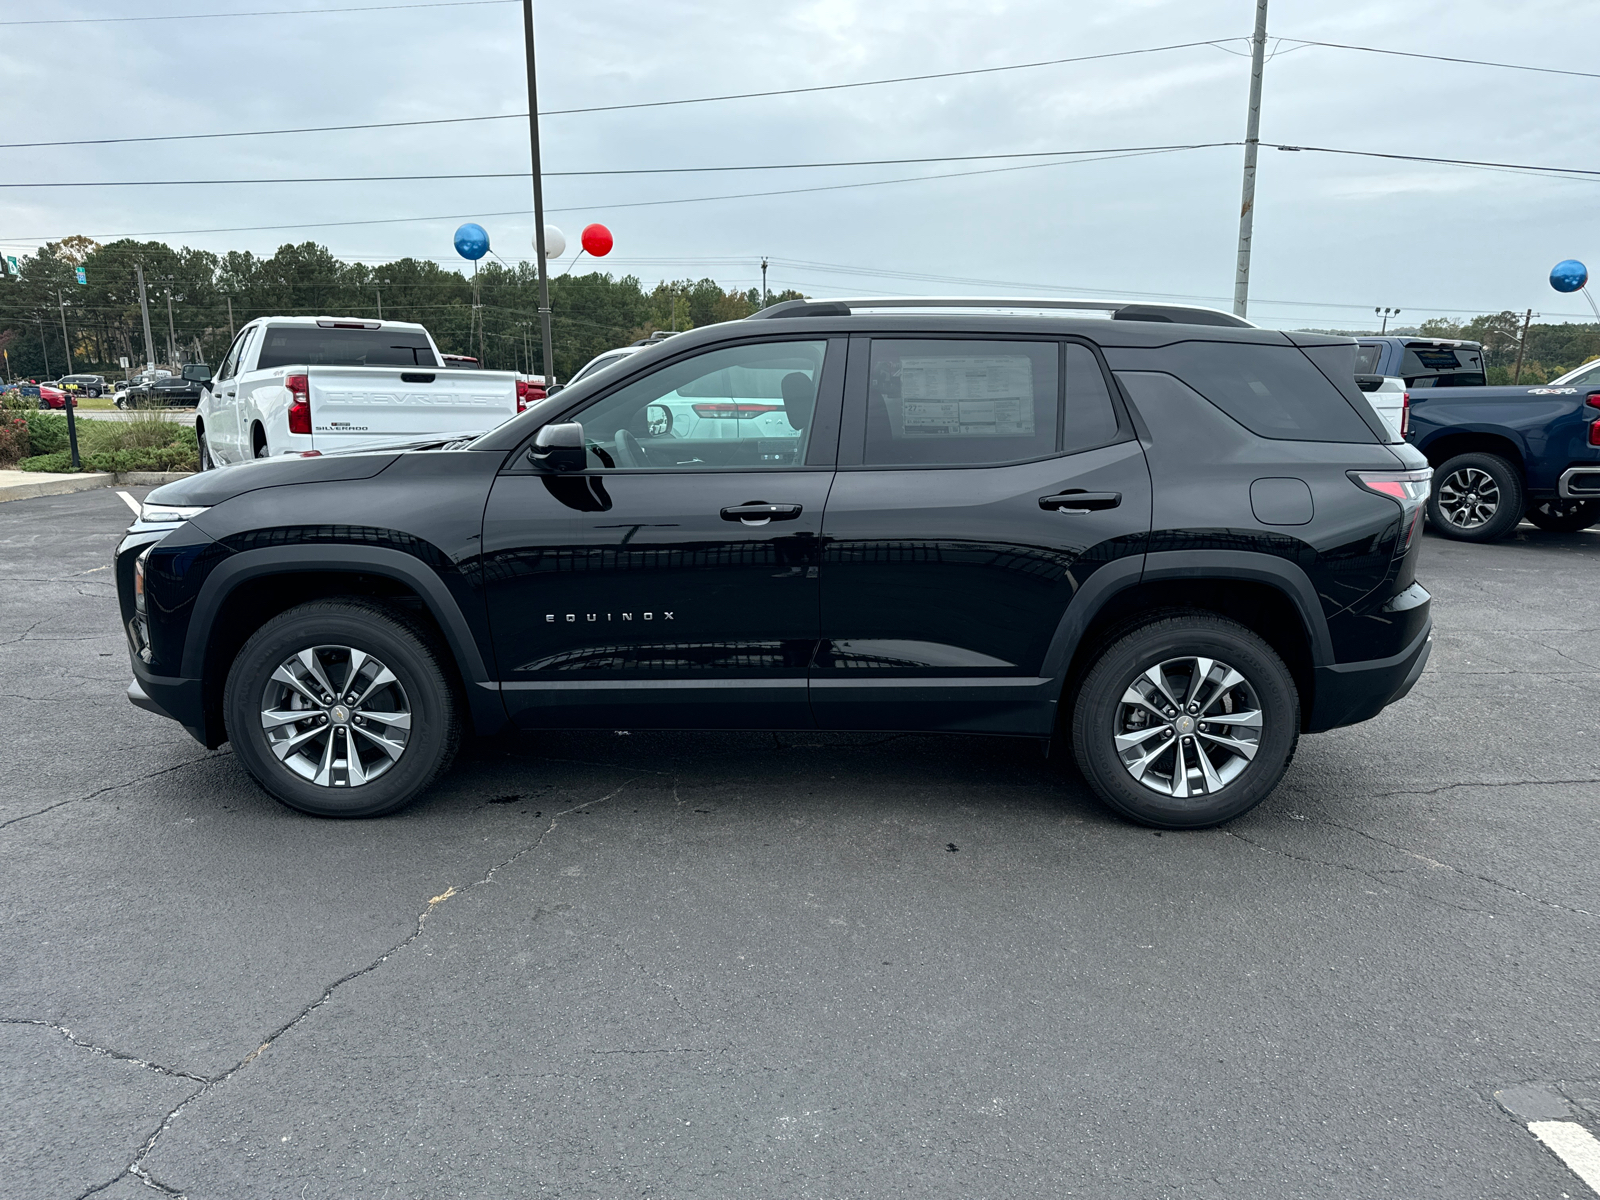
x=1551 y=350
x=211 y=295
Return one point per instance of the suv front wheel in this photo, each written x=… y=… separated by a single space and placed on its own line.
x=341 y=708
x=1186 y=722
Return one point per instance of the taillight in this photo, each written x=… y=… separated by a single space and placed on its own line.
x=1405 y=415
x=299 y=403
x=739 y=412
x=1592 y=399
x=1409 y=489
x=522 y=395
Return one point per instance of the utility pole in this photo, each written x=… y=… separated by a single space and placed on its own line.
x=763 y=281
x=144 y=308
x=172 y=336
x=378 y=292
x=1527 y=319
x=39 y=321
x=231 y=334
x=66 y=340
x=1252 y=143
x=538 y=200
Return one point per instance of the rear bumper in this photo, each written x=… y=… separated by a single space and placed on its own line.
x=1579 y=483
x=1348 y=693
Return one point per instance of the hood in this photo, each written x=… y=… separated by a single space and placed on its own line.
x=206 y=488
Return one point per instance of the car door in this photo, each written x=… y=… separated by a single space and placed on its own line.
x=673 y=582
x=982 y=481
x=218 y=408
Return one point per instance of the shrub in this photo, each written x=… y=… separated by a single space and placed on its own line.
x=14 y=442
x=158 y=458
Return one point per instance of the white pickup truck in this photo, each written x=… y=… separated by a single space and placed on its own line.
x=293 y=384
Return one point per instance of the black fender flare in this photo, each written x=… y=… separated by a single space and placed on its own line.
x=483 y=692
x=1102 y=588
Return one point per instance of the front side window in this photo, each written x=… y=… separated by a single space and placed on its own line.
x=230 y=364
x=741 y=406
x=933 y=402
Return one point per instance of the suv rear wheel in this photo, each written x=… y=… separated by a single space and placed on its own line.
x=1186 y=722
x=1476 y=498
x=341 y=708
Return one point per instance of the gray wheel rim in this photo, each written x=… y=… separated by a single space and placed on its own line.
x=1188 y=726
x=335 y=716
x=1469 y=498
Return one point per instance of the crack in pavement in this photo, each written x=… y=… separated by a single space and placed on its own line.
x=136 y=1166
x=1370 y=873
x=1483 y=784
x=112 y=787
x=105 y=1051
x=1492 y=882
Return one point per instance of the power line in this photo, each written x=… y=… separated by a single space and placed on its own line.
x=1475 y=62
x=798 y=166
x=561 y=112
x=1452 y=162
x=279 y=12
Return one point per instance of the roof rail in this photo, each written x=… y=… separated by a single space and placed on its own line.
x=1120 y=310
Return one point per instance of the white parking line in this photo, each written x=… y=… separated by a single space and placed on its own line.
x=1573 y=1145
x=132 y=503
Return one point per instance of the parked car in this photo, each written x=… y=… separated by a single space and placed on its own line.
x=291 y=384
x=46 y=395
x=1389 y=397
x=1500 y=454
x=93 y=386
x=1172 y=540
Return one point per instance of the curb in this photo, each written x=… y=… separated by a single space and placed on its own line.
x=150 y=478
x=56 y=486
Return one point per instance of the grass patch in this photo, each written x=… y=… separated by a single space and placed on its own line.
x=146 y=443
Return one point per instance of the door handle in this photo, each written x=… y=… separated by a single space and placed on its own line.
x=1080 y=502
x=759 y=512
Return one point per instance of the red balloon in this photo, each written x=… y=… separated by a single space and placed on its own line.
x=597 y=240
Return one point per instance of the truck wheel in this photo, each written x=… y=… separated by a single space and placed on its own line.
x=1564 y=516
x=341 y=708
x=258 y=443
x=207 y=463
x=1186 y=722
x=1476 y=498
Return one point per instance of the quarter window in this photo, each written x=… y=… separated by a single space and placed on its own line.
x=1090 y=418
x=932 y=402
x=746 y=406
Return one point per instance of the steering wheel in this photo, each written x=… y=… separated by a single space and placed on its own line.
x=629 y=452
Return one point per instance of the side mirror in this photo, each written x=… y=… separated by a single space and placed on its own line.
x=197 y=373
x=658 y=419
x=559 y=448
x=554 y=388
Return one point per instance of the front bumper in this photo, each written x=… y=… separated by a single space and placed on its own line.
x=179 y=700
x=1348 y=693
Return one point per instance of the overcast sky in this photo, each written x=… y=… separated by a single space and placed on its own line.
x=1334 y=235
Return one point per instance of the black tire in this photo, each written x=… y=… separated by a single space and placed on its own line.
x=424 y=692
x=1101 y=713
x=258 y=443
x=207 y=463
x=1563 y=516
x=1476 y=497
x=94 y=393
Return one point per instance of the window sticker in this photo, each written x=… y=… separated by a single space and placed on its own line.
x=991 y=396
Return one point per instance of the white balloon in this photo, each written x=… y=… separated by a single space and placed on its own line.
x=555 y=242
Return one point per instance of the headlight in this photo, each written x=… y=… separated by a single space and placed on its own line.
x=167 y=514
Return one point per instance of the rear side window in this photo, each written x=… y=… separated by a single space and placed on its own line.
x=961 y=403
x=314 y=346
x=1273 y=391
x=1090 y=419
x=1442 y=366
x=1367 y=359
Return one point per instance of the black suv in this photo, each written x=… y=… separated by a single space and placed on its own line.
x=1173 y=538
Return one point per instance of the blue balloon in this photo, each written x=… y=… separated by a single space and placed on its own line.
x=472 y=241
x=1568 y=275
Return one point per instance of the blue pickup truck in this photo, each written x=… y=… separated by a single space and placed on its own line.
x=1499 y=453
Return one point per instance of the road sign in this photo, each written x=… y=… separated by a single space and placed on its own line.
x=82 y=277
x=11 y=261
x=123 y=363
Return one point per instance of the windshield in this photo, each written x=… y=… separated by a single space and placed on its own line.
x=1587 y=375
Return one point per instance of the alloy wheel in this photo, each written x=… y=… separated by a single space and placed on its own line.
x=1469 y=498
x=1188 y=726
x=335 y=716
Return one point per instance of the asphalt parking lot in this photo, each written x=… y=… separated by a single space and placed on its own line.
x=675 y=965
